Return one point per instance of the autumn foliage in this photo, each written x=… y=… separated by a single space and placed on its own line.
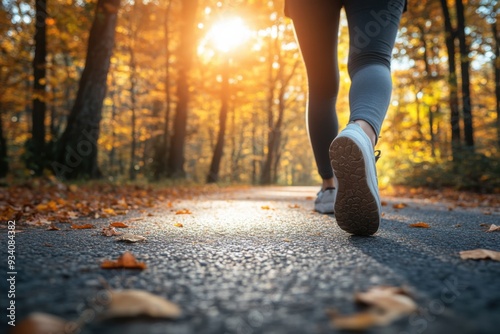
x=177 y=104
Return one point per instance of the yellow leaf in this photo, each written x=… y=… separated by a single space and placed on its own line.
x=399 y=206
x=178 y=225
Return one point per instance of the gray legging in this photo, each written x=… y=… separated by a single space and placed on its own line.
x=373 y=26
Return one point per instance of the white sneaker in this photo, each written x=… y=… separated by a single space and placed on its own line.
x=325 y=200
x=357 y=205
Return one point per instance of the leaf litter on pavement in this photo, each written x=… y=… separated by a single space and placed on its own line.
x=134 y=303
x=42 y=201
x=385 y=304
x=129 y=237
x=128 y=304
x=127 y=260
x=494 y=228
x=480 y=254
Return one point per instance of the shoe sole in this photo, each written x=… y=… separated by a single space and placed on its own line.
x=356 y=208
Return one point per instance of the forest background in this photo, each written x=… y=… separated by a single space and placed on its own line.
x=215 y=91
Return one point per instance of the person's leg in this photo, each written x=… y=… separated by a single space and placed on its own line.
x=316 y=27
x=373 y=26
x=372 y=29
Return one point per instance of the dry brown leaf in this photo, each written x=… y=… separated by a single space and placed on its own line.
x=127 y=260
x=265 y=207
x=40 y=323
x=399 y=205
x=134 y=303
x=294 y=206
x=480 y=254
x=183 y=212
x=494 y=228
x=118 y=224
x=386 y=304
x=388 y=298
x=484 y=225
x=420 y=224
x=129 y=237
x=53 y=227
x=383 y=203
x=178 y=225
x=110 y=231
x=80 y=227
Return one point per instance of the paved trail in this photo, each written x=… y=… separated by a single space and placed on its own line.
x=259 y=260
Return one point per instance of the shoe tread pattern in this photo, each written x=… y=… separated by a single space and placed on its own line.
x=356 y=209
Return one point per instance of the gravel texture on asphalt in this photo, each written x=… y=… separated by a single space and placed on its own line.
x=259 y=260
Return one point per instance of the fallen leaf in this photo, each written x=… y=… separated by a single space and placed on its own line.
x=480 y=254
x=265 y=207
x=48 y=245
x=183 y=212
x=110 y=231
x=388 y=298
x=383 y=203
x=80 y=227
x=494 y=228
x=287 y=240
x=294 y=206
x=129 y=237
x=127 y=260
x=385 y=305
x=118 y=224
x=420 y=224
x=135 y=303
x=40 y=323
x=458 y=225
x=53 y=227
x=399 y=205
x=178 y=225
x=109 y=211
x=484 y=225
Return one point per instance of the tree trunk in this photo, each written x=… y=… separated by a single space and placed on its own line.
x=4 y=162
x=77 y=149
x=133 y=81
x=452 y=81
x=465 y=71
x=213 y=173
x=37 y=154
x=186 y=51
x=163 y=146
x=496 y=67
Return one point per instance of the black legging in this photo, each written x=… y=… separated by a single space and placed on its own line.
x=373 y=26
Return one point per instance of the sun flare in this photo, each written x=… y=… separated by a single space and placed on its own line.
x=228 y=34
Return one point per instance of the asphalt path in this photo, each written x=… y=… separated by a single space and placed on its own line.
x=259 y=260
